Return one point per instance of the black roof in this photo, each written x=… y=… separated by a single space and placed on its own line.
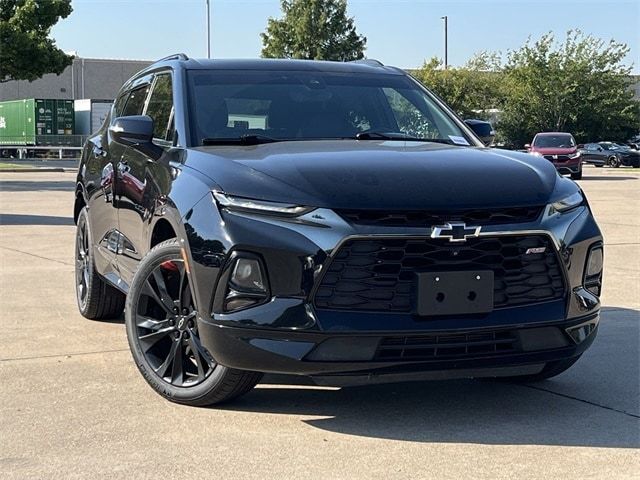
x=262 y=64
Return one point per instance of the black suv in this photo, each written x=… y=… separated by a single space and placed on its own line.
x=335 y=220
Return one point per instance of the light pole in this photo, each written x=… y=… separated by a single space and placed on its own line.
x=208 y=29
x=446 y=42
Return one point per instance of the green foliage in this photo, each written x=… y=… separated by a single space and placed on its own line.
x=471 y=91
x=26 y=51
x=580 y=86
x=313 y=30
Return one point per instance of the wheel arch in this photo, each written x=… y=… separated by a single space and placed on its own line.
x=162 y=230
x=79 y=202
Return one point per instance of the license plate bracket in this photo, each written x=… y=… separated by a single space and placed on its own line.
x=454 y=293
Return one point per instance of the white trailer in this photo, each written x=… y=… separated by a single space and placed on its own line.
x=90 y=114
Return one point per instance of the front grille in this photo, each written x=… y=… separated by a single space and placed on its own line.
x=559 y=158
x=447 y=346
x=379 y=274
x=424 y=218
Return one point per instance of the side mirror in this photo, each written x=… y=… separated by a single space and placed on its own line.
x=136 y=131
x=483 y=130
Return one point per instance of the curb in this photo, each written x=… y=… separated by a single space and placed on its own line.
x=38 y=169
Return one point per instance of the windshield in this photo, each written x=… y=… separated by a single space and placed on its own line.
x=554 y=141
x=296 y=105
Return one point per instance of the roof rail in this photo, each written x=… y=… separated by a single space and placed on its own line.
x=369 y=61
x=175 y=56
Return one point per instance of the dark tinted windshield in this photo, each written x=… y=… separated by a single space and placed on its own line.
x=554 y=141
x=313 y=105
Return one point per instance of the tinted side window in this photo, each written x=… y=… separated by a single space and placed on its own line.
x=160 y=105
x=135 y=102
x=118 y=105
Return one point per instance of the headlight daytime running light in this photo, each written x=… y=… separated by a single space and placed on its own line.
x=568 y=203
x=248 y=205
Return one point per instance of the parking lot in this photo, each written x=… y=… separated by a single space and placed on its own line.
x=73 y=405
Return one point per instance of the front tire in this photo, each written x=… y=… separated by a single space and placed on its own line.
x=162 y=329
x=97 y=300
x=577 y=175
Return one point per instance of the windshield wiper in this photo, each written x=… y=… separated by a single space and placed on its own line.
x=241 y=140
x=398 y=136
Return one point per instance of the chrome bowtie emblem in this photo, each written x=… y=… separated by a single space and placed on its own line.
x=455 y=232
x=555 y=157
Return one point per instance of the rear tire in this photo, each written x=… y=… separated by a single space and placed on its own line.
x=97 y=300
x=550 y=370
x=162 y=329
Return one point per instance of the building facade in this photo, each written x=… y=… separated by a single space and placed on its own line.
x=85 y=78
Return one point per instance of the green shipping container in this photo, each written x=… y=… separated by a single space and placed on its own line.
x=37 y=122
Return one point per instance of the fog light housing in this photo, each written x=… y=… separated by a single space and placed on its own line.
x=593 y=270
x=247 y=275
x=246 y=283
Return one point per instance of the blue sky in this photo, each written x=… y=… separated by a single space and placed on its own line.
x=399 y=32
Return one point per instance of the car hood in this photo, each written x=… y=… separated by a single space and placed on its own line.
x=377 y=174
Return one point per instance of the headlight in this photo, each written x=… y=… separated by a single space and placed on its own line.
x=568 y=203
x=537 y=154
x=239 y=204
x=574 y=155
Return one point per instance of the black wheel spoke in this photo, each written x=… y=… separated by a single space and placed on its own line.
x=165 y=298
x=197 y=351
x=148 y=290
x=164 y=367
x=151 y=323
x=150 y=339
x=177 y=372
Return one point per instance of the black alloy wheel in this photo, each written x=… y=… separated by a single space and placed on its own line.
x=82 y=265
x=613 y=161
x=166 y=327
x=161 y=317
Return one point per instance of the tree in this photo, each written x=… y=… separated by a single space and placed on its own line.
x=313 y=30
x=26 y=51
x=471 y=91
x=580 y=86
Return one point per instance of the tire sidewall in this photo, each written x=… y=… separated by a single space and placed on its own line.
x=164 y=251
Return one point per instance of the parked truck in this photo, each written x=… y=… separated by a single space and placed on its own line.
x=90 y=114
x=37 y=122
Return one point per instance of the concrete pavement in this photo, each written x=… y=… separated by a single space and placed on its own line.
x=73 y=405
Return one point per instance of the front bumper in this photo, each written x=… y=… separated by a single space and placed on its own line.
x=359 y=358
x=289 y=335
x=567 y=168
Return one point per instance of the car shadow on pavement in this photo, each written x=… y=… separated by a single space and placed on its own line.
x=26 y=219
x=35 y=186
x=593 y=404
x=613 y=178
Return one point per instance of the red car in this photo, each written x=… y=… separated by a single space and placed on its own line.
x=559 y=148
